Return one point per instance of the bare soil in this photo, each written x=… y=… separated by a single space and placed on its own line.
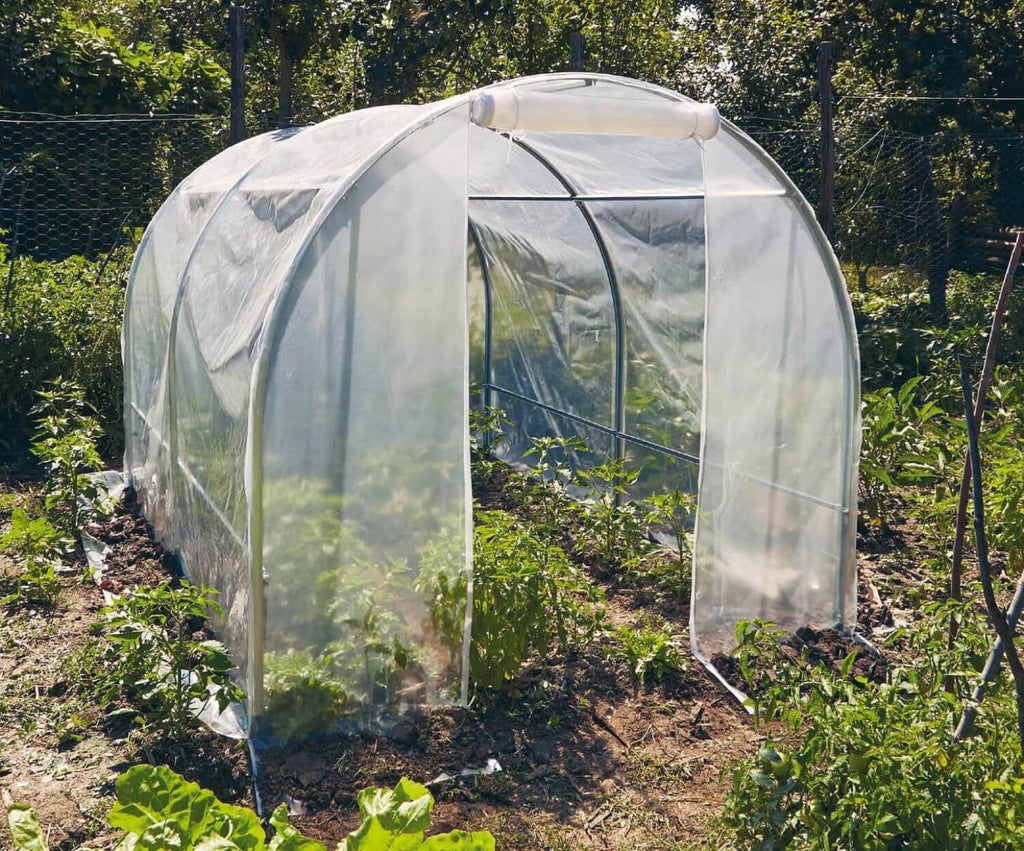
x=59 y=751
x=589 y=759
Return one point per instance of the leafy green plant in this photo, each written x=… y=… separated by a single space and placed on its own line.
x=302 y=694
x=40 y=545
x=156 y=660
x=526 y=596
x=65 y=444
x=157 y=810
x=869 y=765
x=33 y=536
x=26 y=832
x=903 y=443
x=37 y=583
x=399 y=818
x=547 y=496
x=611 y=522
x=648 y=651
x=1004 y=465
x=64 y=318
x=675 y=512
x=487 y=425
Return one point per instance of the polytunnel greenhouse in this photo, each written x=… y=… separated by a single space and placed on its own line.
x=597 y=257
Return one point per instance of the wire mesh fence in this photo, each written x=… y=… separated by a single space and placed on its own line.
x=932 y=203
x=73 y=185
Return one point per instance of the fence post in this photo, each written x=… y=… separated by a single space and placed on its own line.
x=577 y=47
x=14 y=248
x=236 y=33
x=826 y=209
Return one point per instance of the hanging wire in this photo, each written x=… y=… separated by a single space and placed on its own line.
x=958 y=98
x=72 y=184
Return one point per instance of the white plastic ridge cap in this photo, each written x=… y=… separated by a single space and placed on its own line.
x=507 y=109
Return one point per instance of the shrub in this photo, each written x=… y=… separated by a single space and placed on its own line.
x=64 y=319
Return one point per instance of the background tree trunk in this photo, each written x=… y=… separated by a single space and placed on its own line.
x=935 y=232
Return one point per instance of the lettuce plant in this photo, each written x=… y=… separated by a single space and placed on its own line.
x=158 y=810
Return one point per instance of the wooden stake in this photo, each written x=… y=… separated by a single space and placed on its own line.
x=577 y=48
x=987 y=370
x=996 y=614
x=826 y=209
x=236 y=33
x=995 y=658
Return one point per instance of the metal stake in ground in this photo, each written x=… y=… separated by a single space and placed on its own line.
x=996 y=614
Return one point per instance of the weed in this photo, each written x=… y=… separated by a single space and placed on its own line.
x=69 y=725
x=648 y=651
x=65 y=444
x=675 y=511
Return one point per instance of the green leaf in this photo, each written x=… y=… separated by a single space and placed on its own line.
x=406 y=809
x=25 y=830
x=847 y=665
x=164 y=836
x=459 y=840
x=150 y=795
x=217 y=843
x=373 y=836
x=287 y=838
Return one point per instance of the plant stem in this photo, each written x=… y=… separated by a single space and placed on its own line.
x=996 y=614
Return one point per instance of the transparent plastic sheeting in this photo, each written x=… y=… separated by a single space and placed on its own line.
x=575 y=270
x=149 y=306
x=775 y=535
x=297 y=365
x=365 y=489
x=211 y=268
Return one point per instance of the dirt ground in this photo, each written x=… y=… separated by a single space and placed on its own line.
x=589 y=760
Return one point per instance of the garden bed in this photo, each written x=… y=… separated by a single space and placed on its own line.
x=589 y=758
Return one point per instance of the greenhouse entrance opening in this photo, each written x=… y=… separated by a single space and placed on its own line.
x=596 y=257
